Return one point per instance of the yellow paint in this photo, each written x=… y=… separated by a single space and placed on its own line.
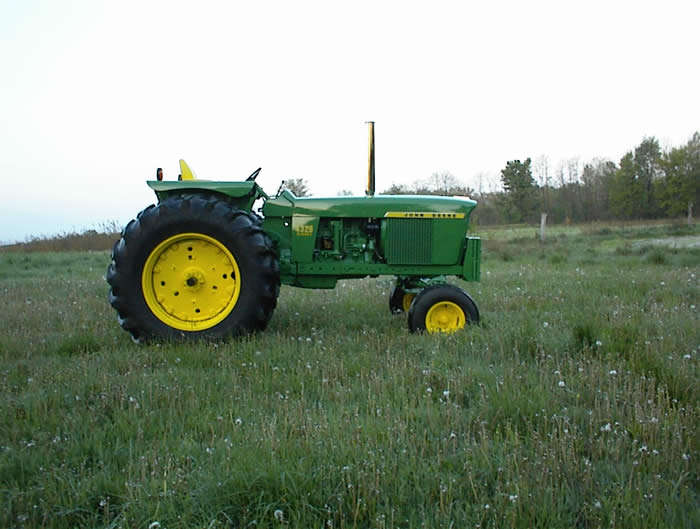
x=304 y=230
x=421 y=215
x=186 y=172
x=446 y=317
x=191 y=282
x=407 y=300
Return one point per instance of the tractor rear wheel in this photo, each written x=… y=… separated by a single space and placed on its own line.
x=400 y=300
x=442 y=309
x=192 y=267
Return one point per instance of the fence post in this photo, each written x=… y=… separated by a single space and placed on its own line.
x=543 y=223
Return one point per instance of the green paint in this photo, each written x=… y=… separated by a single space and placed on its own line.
x=321 y=240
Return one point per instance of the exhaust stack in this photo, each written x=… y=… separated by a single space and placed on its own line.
x=370 y=169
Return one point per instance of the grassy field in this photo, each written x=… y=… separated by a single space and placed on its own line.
x=573 y=404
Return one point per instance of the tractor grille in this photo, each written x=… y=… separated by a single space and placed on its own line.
x=408 y=241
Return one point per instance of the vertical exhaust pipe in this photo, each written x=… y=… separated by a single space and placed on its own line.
x=370 y=169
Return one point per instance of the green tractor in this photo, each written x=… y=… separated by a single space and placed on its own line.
x=202 y=264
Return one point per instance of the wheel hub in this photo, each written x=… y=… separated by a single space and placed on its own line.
x=446 y=317
x=195 y=279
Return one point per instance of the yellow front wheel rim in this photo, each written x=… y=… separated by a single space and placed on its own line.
x=446 y=317
x=191 y=282
x=407 y=300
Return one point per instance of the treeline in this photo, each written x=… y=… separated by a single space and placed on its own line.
x=647 y=183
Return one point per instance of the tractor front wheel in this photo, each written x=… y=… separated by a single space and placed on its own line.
x=193 y=267
x=400 y=300
x=442 y=309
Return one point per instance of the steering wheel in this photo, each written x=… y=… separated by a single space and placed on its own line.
x=253 y=175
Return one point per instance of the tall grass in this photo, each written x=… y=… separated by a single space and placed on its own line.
x=101 y=238
x=573 y=404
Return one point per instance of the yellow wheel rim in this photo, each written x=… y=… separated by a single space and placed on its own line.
x=191 y=282
x=445 y=316
x=407 y=300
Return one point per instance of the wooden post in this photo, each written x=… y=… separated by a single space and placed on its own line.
x=690 y=214
x=543 y=223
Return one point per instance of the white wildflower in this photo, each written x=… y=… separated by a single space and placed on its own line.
x=279 y=515
x=606 y=428
x=612 y=372
x=562 y=384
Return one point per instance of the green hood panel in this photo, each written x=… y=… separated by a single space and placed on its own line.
x=379 y=205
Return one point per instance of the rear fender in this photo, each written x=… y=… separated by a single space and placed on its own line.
x=242 y=194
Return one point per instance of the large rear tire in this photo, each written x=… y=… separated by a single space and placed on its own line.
x=193 y=267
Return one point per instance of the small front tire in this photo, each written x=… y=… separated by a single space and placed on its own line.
x=442 y=309
x=400 y=300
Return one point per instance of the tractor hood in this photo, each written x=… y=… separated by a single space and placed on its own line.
x=427 y=206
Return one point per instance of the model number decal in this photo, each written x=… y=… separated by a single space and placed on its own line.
x=305 y=230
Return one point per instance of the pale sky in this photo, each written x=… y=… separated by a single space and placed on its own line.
x=94 y=95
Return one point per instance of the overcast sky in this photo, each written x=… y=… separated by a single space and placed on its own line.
x=95 y=95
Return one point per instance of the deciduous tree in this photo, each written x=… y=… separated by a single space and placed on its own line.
x=679 y=190
x=298 y=186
